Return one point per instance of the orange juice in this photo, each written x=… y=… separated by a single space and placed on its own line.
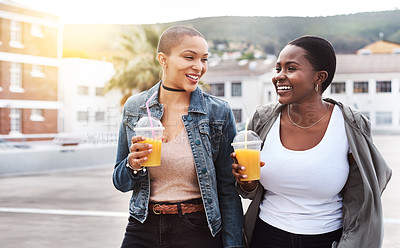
x=250 y=159
x=154 y=158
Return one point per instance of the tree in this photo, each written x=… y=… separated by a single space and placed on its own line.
x=138 y=68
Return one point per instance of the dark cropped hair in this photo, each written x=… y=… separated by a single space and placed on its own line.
x=172 y=36
x=320 y=53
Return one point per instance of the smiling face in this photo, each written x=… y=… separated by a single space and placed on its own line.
x=295 y=77
x=185 y=64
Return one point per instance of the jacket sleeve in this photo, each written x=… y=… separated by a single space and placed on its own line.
x=368 y=176
x=123 y=178
x=245 y=194
x=229 y=200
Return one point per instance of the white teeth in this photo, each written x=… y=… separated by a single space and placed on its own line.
x=193 y=77
x=284 y=87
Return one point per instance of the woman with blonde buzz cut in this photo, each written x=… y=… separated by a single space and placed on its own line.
x=190 y=199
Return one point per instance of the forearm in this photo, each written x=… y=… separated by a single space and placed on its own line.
x=247 y=193
x=123 y=178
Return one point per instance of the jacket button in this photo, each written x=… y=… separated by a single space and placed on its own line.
x=197 y=142
x=189 y=118
x=209 y=200
x=204 y=170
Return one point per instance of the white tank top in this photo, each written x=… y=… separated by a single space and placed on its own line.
x=303 y=187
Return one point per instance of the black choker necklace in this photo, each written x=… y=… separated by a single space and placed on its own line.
x=172 y=89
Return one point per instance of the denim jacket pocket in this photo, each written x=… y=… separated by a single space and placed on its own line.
x=204 y=130
x=130 y=121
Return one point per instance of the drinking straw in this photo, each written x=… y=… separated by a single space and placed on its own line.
x=148 y=113
x=245 y=133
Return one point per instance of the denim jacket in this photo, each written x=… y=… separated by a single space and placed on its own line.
x=369 y=175
x=210 y=127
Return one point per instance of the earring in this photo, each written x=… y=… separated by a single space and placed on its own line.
x=316 y=87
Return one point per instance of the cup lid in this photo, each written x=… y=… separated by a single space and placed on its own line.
x=252 y=138
x=149 y=123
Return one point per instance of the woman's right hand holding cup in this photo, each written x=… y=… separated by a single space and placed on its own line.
x=138 y=151
x=237 y=171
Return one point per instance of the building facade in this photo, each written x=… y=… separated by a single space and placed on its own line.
x=368 y=81
x=30 y=52
x=244 y=84
x=371 y=83
x=89 y=114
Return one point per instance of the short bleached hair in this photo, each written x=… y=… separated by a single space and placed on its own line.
x=172 y=36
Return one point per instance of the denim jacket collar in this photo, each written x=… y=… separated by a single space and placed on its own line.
x=149 y=93
x=197 y=104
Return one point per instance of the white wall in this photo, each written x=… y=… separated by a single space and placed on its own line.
x=254 y=93
x=372 y=102
x=77 y=72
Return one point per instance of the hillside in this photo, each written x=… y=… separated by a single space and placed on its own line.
x=347 y=32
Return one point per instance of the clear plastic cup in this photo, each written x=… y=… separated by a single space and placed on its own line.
x=153 y=136
x=248 y=154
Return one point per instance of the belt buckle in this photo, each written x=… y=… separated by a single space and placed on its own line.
x=154 y=209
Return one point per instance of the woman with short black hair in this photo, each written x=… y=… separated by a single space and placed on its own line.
x=323 y=177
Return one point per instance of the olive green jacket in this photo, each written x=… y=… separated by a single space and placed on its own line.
x=368 y=177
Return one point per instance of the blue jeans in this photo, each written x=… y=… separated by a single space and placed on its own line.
x=171 y=231
x=267 y=236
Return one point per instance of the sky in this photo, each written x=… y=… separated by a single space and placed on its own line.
x=156 y=11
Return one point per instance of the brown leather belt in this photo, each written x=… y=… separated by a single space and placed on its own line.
x=177 y=208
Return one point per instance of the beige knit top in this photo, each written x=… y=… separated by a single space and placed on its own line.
x=175 y=179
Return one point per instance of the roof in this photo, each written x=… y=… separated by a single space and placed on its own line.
x=380 y=46
x=242 y=68
x=346 y=64
x=372 y=63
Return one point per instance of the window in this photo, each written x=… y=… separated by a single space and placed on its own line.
x=16 y=78
x=361 y=87
x=16 y=35
x=383 y=118
x=237 y=113
x=83 y=90
x=100 y=116
x=37 y=30
x=236 y=89
x=83 y=116
x=37 y=71
x=15 y=120
x=384 y=86
x=218 y=89
x=37 y=115
x=99 y=91
x=338 y=87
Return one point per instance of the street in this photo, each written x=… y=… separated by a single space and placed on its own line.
x=81 y=208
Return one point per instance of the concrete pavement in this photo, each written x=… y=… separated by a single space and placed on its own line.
x=71 y=209
x=81 y=208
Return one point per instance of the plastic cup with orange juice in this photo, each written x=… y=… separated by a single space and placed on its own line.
x=247 y=147
x=153 y=132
